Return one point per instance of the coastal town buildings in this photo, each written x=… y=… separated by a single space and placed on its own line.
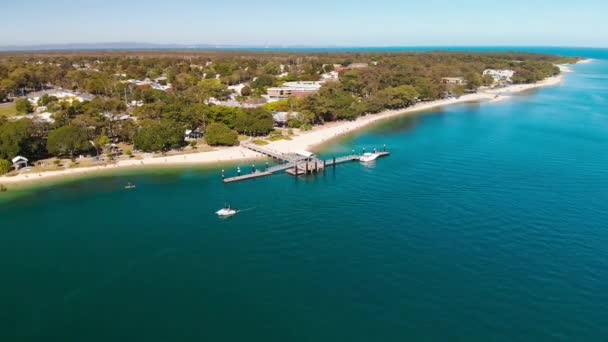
x=158 y=84
x=117 y=117
x=250 y=103
x=297 y=89
x=454 y=80
x=500 y=75
x=339 y=67
x=62 y=96
x=330 y=76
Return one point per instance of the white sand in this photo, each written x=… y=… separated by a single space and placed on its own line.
x=303 y=141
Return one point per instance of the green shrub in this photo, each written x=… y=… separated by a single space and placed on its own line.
x=294 y=123
x=23 y=106
x=5 y=166
x=276 y=137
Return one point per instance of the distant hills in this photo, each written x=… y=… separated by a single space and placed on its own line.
x=142 y=46
x=275 y=47
x=107 y=46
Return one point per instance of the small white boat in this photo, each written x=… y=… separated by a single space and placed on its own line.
x=226 y=211
x=368 y=157
x=130 y=186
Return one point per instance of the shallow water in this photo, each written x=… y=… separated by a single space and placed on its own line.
x=487 y=222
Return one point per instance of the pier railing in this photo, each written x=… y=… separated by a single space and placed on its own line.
x=292 y=164
x=269 y=152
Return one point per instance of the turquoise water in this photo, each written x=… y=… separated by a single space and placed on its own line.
x=487 y=223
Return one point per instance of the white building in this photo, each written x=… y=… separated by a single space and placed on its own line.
x=19 y=162
x=298 y=89
x=454 y=80
x=116 y=117
x=330 y=76
x=499 y=75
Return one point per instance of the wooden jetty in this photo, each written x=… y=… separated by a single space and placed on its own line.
x=257 y=174
x=293 y=164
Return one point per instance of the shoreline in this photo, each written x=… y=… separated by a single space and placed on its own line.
x=309 y=140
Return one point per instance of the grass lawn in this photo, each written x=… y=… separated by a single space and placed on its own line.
x=8 y=110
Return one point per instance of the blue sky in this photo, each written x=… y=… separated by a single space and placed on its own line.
x=312 y=22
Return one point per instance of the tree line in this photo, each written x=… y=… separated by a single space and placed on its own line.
x=392 y=81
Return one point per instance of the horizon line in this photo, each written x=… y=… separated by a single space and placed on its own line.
x=124 y=45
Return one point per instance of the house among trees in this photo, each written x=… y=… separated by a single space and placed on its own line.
x=454 y=80
x=297 y=89
x=116 y=117
x=195 y=134
x=63 y=96
x=339 y=68
x=161 y=85
x=282 y=118
x=499 y=75
x=19 y=162
x=330 y=76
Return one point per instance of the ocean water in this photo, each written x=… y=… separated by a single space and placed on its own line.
x=488 y=222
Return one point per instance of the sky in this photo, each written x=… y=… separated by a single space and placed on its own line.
x=308 y=22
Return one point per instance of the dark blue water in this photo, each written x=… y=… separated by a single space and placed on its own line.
x=488 y=222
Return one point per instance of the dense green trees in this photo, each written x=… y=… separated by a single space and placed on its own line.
x=206 y=89
x=159 y=136
x=333 y=103
x=67 y=141
x=19 y=138
x=220 y=134
x=224 y=114
x=473 y=80
x=263 y=81
x=255 y=121
x=393 y=81
x=395 y=97
x=533 y=71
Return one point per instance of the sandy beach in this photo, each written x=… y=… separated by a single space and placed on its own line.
x=303 y=141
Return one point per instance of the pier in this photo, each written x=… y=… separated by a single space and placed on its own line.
x=293 y=164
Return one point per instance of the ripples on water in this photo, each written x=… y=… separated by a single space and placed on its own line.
x=487 y=222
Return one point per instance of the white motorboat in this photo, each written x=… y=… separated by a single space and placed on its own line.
x=130 y=186
x=368 y=157
x=226 y=211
